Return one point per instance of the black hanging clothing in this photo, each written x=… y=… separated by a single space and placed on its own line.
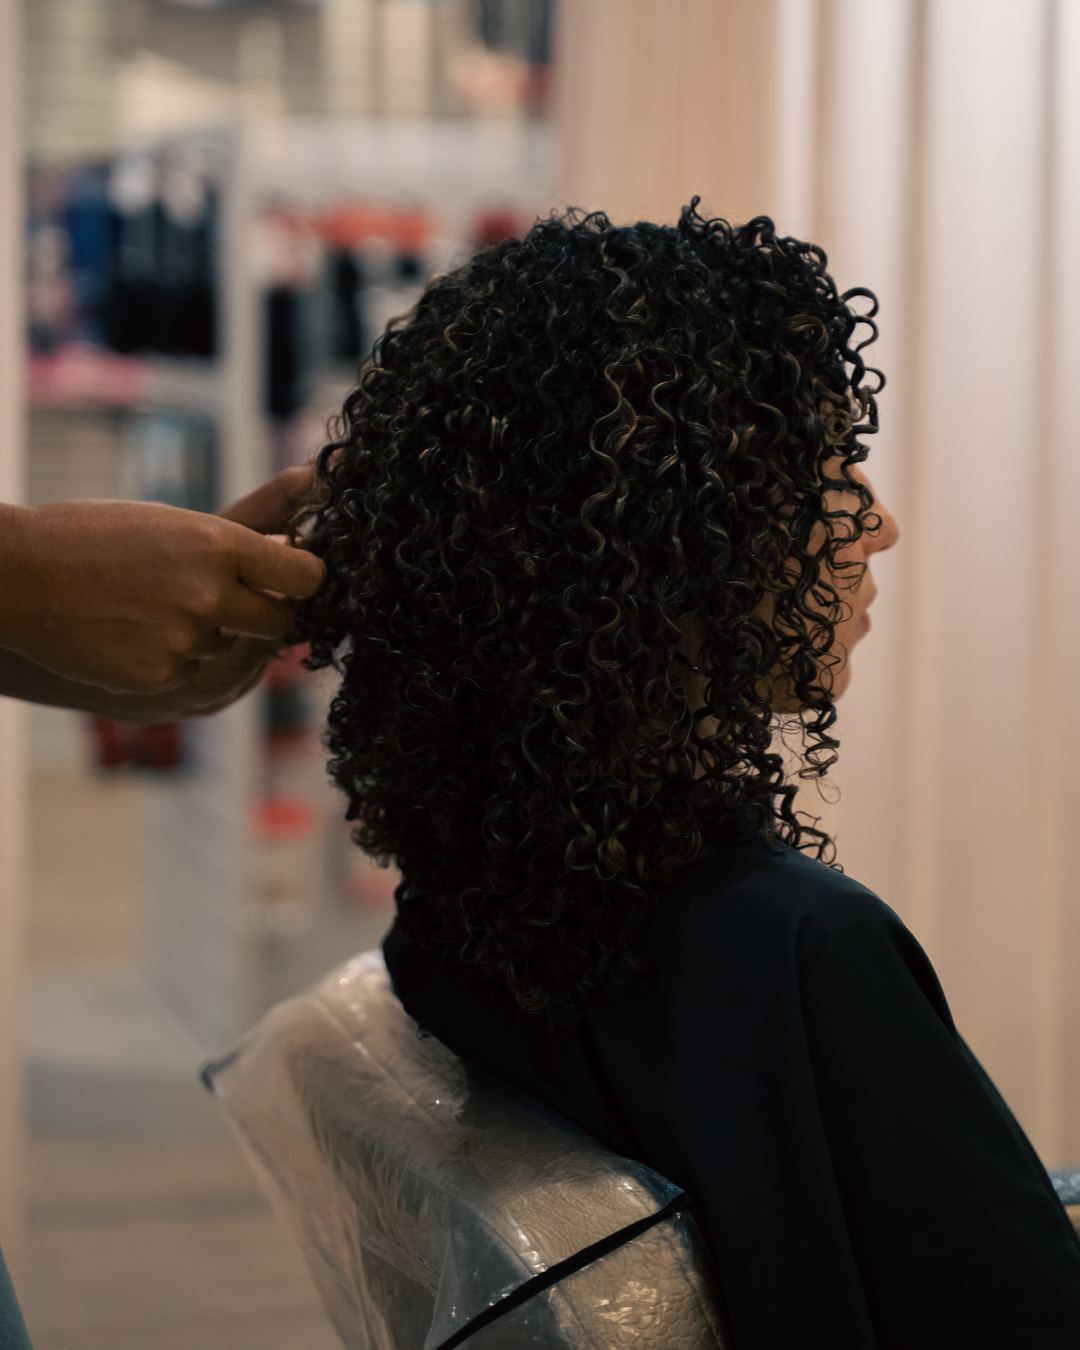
x=793 y=1065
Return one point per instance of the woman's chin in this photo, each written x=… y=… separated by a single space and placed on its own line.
x=841 y=678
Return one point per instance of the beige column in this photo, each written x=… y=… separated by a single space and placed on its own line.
x=659 y=100
x=933 y=148
x=953 y=769
x=976 y=670
x=12 y=758
x=405 y=57
x=1055 y=652
x=260 y=65
x=348 y=33
x=69 y=80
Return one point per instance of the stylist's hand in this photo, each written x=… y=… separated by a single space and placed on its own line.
x=132 y=596
x=215 y=685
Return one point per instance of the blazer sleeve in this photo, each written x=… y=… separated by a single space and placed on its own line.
x=958 y=1234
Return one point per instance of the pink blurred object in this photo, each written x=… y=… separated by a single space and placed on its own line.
x=284 y=819
x=79 y=373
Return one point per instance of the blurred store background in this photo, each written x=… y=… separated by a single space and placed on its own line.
x=224 y=202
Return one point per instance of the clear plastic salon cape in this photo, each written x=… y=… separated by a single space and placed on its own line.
x=422 y=1196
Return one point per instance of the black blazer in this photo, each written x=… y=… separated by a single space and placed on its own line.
x=793 y=1065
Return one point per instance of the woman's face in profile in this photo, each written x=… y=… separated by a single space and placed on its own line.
x=852 y=577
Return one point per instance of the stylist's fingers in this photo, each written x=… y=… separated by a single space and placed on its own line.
x=145 y=678
x=271 y=566
x=270 y=508
x=255 y=613
x=212 y=644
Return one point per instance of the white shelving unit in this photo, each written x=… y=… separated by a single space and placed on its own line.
x=212 y=962
x=205 y=957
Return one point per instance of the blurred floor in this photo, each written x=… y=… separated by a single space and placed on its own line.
x=84 y=903
x=160 y=1245
x=136 y=1243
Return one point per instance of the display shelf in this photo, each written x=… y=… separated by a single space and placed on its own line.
x=83 y=375
x=322 y=230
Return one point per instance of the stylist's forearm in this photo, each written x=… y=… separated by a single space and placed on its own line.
x=216 y=684
x=22 y=679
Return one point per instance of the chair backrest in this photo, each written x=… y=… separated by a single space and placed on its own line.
x=425 y=1198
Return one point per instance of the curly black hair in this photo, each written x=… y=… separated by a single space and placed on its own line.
x=574 y=442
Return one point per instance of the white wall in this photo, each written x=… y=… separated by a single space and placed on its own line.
x=933 y=148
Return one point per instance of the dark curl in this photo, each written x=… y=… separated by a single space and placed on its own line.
x=574 y=442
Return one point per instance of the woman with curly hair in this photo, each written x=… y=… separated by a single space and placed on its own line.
x=595 y=525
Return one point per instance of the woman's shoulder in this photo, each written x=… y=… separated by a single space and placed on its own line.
x=763 y=892
x=757 y=922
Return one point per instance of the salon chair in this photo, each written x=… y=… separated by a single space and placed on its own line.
x=438 y=1208
x=1067 y=1184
